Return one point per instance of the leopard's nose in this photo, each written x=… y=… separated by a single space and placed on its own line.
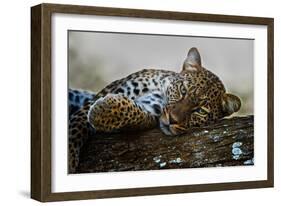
x=172 y=120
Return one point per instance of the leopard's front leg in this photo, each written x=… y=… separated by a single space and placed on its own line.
x=116 y=112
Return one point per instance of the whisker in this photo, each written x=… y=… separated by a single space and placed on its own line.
x=180 y=128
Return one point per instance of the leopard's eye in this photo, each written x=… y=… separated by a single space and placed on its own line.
x=202 y=111
x=182 y=89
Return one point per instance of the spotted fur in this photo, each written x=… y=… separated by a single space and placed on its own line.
x=77 y=98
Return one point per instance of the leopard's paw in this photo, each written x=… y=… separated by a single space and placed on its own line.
x=112 y=113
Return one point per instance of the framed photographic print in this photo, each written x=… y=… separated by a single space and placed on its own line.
x=130 y=102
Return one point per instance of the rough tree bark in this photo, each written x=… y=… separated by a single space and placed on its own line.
x=229 y=142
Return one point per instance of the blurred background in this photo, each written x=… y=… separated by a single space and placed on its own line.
x=97 y=58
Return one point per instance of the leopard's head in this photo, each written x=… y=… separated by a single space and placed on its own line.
x=195 y=98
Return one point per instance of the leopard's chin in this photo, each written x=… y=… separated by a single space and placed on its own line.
x=165 y=129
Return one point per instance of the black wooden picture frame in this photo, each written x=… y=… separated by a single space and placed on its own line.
x=41 y=117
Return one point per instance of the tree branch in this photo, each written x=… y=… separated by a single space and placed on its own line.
x=229 y=142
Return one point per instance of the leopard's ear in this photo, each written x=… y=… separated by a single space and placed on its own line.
x=230 y=104
x=192 y=62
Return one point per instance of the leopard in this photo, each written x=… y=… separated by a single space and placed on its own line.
x=173 y=101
